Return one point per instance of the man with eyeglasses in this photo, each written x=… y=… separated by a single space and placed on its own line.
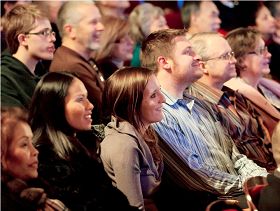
x=199 y=154
x=30 y=39
x=243 y=122
x=79 y=24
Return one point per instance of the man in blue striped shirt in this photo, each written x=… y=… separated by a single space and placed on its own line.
x=196 y=148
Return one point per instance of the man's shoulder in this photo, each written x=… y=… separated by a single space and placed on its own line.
x=66 y=59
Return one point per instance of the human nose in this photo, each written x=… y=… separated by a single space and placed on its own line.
x=89 y=105
x=52 y=36
x=162 y=98
x=34 y=151
x=100 y=26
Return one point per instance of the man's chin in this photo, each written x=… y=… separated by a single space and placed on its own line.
x=94 y=47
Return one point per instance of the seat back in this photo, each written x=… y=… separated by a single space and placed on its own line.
x=224 y=205
x=252 y=188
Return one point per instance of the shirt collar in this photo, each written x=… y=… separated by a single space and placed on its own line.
x=171 y=101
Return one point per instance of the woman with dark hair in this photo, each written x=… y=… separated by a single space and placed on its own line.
x=20 y=186
x=59 y=110
x=130 y=152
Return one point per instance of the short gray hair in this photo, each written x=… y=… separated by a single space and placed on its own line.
x=71 y=13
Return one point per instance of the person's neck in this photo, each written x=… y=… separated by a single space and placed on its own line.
x=28 y=61
x=214 y=84
x=172 y=86
x=77 y=48
x=253 y=81
x=118 y=62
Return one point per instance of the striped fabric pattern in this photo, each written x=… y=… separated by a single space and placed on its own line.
x=242 y=123
x=198 y=151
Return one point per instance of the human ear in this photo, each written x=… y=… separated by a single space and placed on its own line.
x=163 y=62
x=22 y=39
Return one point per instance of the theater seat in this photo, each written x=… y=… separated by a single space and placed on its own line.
x=252 y=188
x=224 y=205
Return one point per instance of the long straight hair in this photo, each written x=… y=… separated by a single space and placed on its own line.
x=122 y=98
x=47 y=112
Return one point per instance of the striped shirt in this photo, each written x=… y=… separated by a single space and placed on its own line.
x=242 y=122
x=198 y=152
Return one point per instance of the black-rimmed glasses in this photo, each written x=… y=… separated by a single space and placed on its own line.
x=46 y=33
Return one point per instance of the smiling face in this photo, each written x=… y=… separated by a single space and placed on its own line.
x=21 y=159
x=185 y=63
x=220 y=69
x=151 y=105
x=257 y=61
x=78 y=109
x=88 y=30
x=123 y=50
x=40 y=47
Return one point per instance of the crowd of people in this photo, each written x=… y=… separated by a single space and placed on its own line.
x=105 y=109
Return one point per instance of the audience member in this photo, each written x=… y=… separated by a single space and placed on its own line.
x=227 y=15
x=81 y=34
x=6 y=6
x=114 y=9
x=30 y=39
x=200 y=16
x=19 y=163
x=242 y=120
x=269 y=196
x=130 y=152
x=252 y=63
x=198 y=152
x=257 y=15
x=144 y=19
x=274 y=7
x=59 y=110
x=116 y=45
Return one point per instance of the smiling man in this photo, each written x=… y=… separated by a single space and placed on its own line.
x=30 y=39
x=238 y=117
x=80 y=27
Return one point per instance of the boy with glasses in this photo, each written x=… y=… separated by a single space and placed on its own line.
x=243 y=122
x=30 y=39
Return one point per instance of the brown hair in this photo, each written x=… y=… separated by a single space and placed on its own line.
x=115 y=29
x=159 y=43
x=122 y=98
x=20 y=20
x=10 y=117
x=242 y=41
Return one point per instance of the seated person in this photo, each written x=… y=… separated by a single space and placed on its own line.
x=130 y=152
x=59 y=111
x=244 y=123
x=30 y=39
x=200 y=154
x=116 y=45
x=269 y=196
x=19 y=164
x=252 y=64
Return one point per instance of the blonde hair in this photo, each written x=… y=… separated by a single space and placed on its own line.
x=115 y=29
x=20 y=20
x=141 y=18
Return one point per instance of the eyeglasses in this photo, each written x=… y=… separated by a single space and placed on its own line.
x=260 y=52
x=226 y=56
x=46 y=33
